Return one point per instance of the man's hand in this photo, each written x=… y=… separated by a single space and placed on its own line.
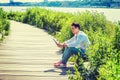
x=61 y=45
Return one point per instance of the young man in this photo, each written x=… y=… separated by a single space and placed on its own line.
x=77 y=44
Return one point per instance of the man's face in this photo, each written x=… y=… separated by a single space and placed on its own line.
x=74 y=30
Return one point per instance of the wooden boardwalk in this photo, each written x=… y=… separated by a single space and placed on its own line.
x=28 y=54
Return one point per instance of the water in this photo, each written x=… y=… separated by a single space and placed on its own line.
x=111 y=14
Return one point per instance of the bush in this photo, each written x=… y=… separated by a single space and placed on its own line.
x=41 y=18
x=104 y=37
x=17 y=16
x=4 y=23
x=110 y=70
x=117 y=38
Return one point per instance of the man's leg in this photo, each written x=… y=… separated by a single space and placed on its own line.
x=68 y=52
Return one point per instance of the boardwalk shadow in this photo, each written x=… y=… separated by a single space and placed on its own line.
x=63 y=71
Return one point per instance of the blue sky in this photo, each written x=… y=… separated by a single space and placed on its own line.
x=3 y=1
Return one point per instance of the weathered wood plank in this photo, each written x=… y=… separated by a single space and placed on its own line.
x=28 y=54
x=10 y=77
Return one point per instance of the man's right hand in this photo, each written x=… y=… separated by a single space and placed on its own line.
x=61 y=45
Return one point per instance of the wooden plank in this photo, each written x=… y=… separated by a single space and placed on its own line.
x=11 y=77
x=29 y=54
x=40 y=74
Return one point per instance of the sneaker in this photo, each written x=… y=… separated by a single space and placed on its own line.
x=59 y=64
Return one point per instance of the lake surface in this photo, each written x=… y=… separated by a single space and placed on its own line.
x=111 y=14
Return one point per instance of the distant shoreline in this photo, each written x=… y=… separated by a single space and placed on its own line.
x=71 y=4
x=63 y=7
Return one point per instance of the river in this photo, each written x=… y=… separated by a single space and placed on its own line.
x=111 y=14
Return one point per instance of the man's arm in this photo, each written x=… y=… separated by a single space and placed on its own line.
x=73 y=44
x=70 y=40
x=61 y=45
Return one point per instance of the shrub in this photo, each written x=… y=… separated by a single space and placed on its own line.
x=104 y=37
x=117 y=38
x=4 y=23
x=18 y=16
x=41 y=18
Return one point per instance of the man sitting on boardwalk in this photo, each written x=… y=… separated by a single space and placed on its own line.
x=77 y=44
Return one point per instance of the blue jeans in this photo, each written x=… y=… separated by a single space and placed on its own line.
x=68 y=52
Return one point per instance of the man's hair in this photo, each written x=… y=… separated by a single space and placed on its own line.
x=76 y=25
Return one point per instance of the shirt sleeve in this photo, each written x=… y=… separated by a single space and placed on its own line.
x=70 y=40
x=80 y=38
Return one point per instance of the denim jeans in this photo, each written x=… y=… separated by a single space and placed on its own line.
x=68 y=52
